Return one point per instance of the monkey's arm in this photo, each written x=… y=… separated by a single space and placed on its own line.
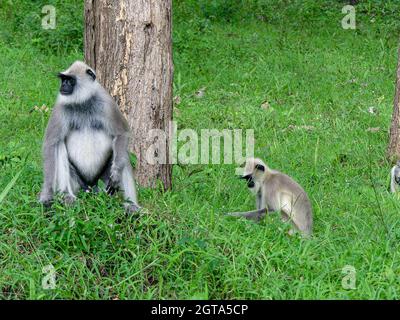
x=52 y=138
x=259 y=201
x=255 y=215
x=120 y=160
x=394 y=184
x=121 y=173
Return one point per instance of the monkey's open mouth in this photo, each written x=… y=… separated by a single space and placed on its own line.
x=249 y=179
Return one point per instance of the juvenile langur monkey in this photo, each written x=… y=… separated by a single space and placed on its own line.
x=395 y=178
x=86 y=140
x=276 y=191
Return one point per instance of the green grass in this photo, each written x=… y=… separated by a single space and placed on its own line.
x=312 y=73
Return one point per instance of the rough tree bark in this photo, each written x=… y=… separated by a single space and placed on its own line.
x=393 y=151
x=129 y=45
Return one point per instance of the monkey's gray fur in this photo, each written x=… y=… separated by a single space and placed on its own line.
x=86 y=140
x=395 y=178
x=276 y=191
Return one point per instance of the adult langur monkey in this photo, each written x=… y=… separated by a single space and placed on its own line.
x=86 y=140
x=276 y=191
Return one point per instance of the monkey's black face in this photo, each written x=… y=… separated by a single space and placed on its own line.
x=67 y=84
x=249 y=179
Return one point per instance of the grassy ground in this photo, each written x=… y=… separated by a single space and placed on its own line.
x=319 y=81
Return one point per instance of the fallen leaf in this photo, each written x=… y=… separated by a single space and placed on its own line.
x=376 y=129
x=200 y=93
x=261 y=17
x=177 y=100
x=265 y=105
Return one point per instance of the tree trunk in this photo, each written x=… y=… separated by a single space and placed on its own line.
x=129 y=45
x=394 y=140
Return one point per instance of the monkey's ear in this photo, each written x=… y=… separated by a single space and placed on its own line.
x=260 y=167
x=91 y=73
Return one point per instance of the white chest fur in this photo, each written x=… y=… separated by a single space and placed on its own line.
x=88 y=150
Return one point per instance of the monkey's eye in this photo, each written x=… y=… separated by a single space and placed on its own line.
x=260 y=167
x=91 y=74
x=66 y=78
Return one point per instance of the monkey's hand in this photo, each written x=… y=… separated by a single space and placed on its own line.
x=113 y=182
x=112 y=187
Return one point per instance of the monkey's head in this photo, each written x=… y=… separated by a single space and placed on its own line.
x=253 y=173
x=78 y=83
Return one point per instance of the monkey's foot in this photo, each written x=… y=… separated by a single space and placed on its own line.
x=132 y=208
x=68 y=200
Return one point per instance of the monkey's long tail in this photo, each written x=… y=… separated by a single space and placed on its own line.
x=255 y=215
